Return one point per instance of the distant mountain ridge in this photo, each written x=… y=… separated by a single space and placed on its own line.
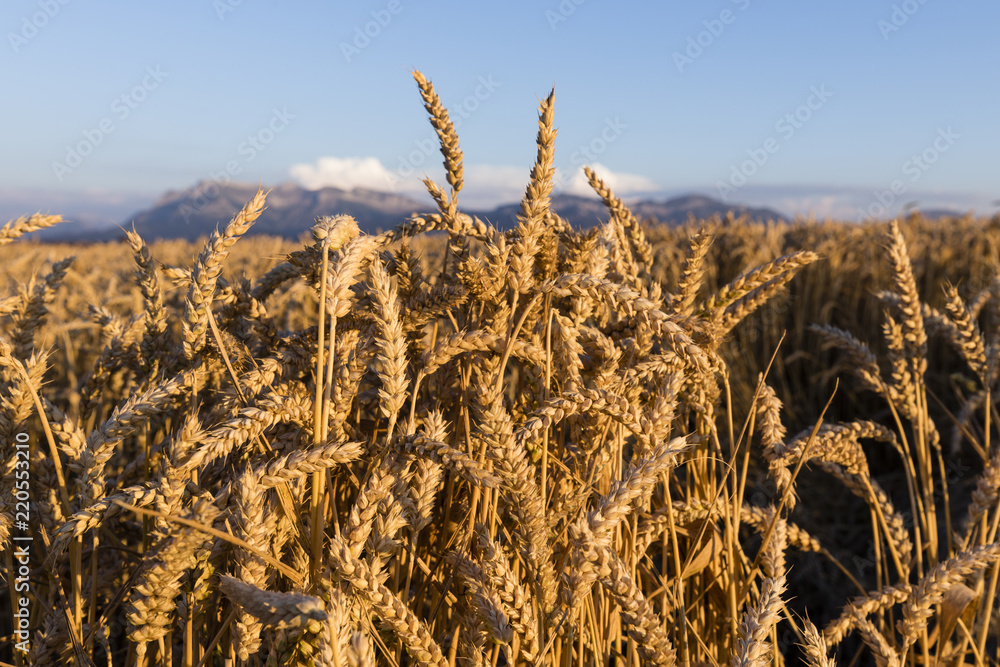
x=292 y=210
x=586 y=211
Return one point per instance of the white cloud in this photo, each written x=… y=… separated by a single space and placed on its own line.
x=486 y=185
x=622 y=184
x=345 y=173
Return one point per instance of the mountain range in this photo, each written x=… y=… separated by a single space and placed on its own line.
x=292 y=210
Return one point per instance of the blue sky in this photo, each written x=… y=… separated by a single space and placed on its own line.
x=830 y=108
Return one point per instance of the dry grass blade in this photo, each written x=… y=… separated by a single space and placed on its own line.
x=273 y=609
x=933 y=586
x=445 y=130
x=206 y=272
x=25 y=225
x=392 y=346
x=751 y=646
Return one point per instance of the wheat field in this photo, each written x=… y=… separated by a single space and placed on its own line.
x=448 y=444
